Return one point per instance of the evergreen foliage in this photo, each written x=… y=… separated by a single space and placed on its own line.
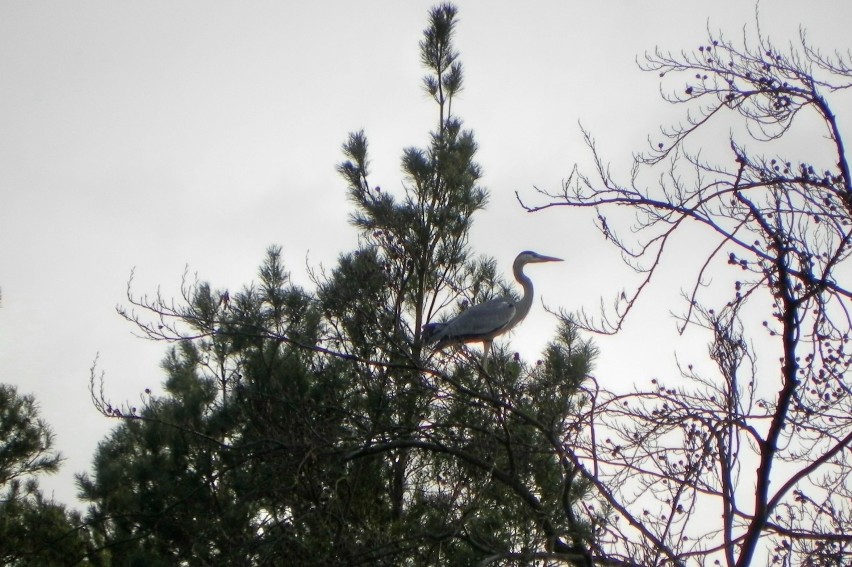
x=315 y=429
x=33 y=529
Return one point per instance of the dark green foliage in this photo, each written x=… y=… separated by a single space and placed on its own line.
x=315 y=429
x=34 y=530
x=189 y=477
x=25 y=439
x=40 y=533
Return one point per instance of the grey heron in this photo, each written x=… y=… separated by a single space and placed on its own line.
x=484 y=321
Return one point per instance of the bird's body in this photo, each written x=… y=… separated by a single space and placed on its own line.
x=485 y=321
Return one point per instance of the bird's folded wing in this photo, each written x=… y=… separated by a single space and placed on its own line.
x=480 y=322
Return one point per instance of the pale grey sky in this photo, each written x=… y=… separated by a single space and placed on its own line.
x=159 y=134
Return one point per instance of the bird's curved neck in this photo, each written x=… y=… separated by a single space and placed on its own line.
x=524 y=304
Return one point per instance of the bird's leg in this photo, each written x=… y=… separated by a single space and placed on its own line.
x=486 y=350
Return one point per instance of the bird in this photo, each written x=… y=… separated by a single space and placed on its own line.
x=485 y=321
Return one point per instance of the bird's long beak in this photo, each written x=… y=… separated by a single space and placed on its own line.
x=548 y=259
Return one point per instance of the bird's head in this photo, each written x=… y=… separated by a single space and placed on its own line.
x=530 y=257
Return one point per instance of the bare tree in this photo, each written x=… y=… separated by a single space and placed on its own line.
x=752 y=463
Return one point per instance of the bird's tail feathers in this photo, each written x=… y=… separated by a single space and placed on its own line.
x=432 y=332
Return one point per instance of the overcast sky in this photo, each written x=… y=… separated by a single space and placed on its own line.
x=158 y=135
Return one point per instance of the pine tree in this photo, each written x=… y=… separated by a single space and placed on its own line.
x=199 y=474
x=34 y=530
x=319 y=428
x=415 y=262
